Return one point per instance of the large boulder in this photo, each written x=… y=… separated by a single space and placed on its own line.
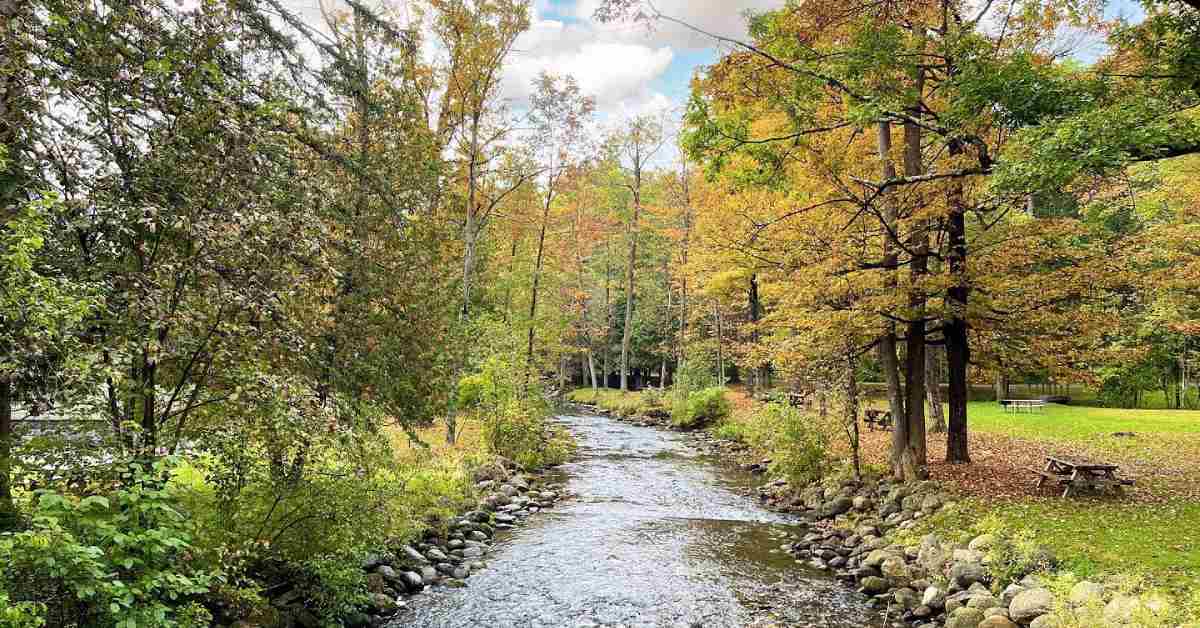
x=1031 y=604
x=996 y=621
x=874 y=585
x=965 y=574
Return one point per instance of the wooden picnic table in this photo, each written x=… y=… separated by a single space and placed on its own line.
x=881 y=419
x=1016 y=405
x=1073 y=474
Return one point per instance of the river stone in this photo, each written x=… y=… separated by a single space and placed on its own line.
x=1085 y=593
x=454 y=544
x=509 y=490
x=1010 y=592
x=436 y=555
x=461 y=573
x=429 y=575
x=967 y=556
x=906 y=598
x=982 y=543
x=895 y=568
x=997 y=621
x=934 y=598
x=477 y=535
x=412 y=581
x=505 y=518
x=876 y=558
x=383 y=604
x=965 y=618
x=931 y=503
x=412 y=554
x=838 y=506
x=472 y=552
x=1031 y=604
x=387 y=572
x=983 y=602
x=966 y=574
x=1045 y=621
x=445 y=568
x=1125 y=609
x=874 y=585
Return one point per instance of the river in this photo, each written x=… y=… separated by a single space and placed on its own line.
x=656 y=534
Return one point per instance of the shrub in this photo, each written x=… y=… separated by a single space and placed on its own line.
x=701 y=408
x=124 y=559
x=521 y=433
x=799 y=444
x=730 y=430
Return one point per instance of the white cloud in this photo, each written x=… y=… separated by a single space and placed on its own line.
x=717 y=17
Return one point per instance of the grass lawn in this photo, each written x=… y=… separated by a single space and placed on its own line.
x=1159 y=543
x=1081 y=423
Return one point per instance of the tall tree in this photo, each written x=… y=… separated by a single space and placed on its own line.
x=636 y=148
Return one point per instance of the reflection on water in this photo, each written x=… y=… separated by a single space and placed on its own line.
x=656 y=535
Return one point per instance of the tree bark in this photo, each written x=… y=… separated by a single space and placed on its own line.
x=958 y=352
x=627 y=333
x=933 y=389
x=851 y=389
x=537 y=282
x=914 y=459
x=887 y=343
x=471 y=226
x=720 y=345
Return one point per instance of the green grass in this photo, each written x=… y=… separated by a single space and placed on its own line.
x=1161 y=432
x=624 y=404
x=1157 y=542
x=1080 y=422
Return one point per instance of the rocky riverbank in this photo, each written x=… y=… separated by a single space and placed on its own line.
x=852 y=533
x=448 y=557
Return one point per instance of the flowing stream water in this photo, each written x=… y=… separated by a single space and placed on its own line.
x=656 y=534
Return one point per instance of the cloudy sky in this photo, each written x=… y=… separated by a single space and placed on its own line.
x=628 y=68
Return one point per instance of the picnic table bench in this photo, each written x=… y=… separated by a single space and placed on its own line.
x=1072 y=474
x=878 y=419
x=1017 y=405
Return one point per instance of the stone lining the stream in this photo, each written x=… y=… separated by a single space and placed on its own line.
x=931 y=585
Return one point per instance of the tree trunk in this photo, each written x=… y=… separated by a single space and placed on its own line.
x=759 y=373
x=471 y=228
x=958 y=352
x=591 y=363
x=852 y=413
x=537 y=282
x=887 y=343
x=913 y=458
x=8 y=510
x=627 y=333
x=720 y=346
x=933 y=389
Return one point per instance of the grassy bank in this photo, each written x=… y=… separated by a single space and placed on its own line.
x=1150 y=535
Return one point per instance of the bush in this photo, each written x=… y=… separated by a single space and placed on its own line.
x=799 y=444
x=701 y=408
x=730 y=430
x=523 y=434
x=125 y=559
